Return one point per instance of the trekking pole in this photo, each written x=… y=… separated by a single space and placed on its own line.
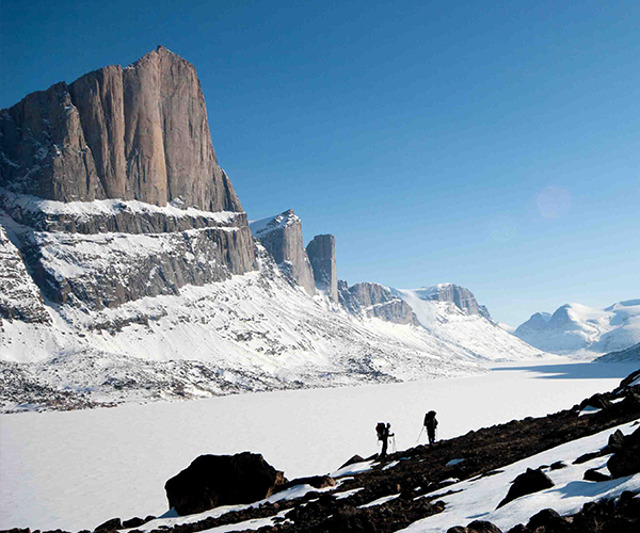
x=420 y=435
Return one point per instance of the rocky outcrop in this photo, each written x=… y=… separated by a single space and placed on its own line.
x=214 y=480
x=457 y=295
x=533 y=480
x=139 y=132
x=20 y=298
x=107 y=270
x=375 y=300
x=626 y=460
x=322 y=254
x=282 y=237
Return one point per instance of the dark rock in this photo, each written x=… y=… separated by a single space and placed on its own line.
x=599 y=401
x=109 y=525
x=626 y=461
x=548 y=519
x=482 y=526
x=457 y=529
x=527 y=483
x=519 y=528
x=322 y=254
x=557 y=465
x=133 y=522
x=588 y=456
x=594 y=474
x=626 y=382
x=355 y=459
x=213 y=480
x=616 y=441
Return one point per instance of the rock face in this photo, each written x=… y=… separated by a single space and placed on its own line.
x=527 y=483
x=282 y=237
x=375 y=300
x=626 y=460
x=20 y=298
x=214 y=480
x=455 y=294
x=139 y=132
x=322 y=254
x=113 y=190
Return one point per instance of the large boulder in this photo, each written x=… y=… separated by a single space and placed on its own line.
x=214 y=480
x=626 y=461
x=529 y=482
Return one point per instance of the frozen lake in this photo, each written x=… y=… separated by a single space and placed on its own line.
x=74 y=470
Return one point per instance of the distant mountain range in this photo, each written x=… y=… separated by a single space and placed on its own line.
x=575 y=328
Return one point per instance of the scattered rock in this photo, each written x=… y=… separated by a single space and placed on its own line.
x=482 y=526
x=355 y=459
x=527 y=483
x=626 y=461
x=213 y=480
x=110 y=525
x=558 y=465
x=593 y=474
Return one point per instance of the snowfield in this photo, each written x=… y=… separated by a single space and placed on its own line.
x=74 y=470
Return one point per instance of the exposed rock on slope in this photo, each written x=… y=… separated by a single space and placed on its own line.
x=20 y=298
x=461 y=297
x=139 y=132
x=375 y=300
x=578 y=328
x=109 y=268
x=282 y=237
x=322 y=254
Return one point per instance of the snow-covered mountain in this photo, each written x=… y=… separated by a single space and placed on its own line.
x=576 y=328
x=463 y=322
x=114 y=288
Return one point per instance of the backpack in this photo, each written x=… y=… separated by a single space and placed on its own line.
x=380 y=430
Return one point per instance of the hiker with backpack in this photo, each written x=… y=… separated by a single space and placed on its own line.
x=384 y=433
x=430 y=423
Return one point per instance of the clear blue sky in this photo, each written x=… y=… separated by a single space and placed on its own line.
x=491 y=144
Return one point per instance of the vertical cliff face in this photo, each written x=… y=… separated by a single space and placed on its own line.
x=375 y=300
x=322 y=254
x=139 y=132
x=282 y=237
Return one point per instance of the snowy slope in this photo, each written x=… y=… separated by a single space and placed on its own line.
x=251 y=332
x=473 y=333
x=576 y=328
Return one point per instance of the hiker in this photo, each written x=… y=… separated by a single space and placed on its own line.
x=431 y=424
x=384 y=432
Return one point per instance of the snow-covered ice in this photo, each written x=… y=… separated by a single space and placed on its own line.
x=73 y=470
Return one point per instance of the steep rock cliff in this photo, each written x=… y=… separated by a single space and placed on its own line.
x=322 y=254
x=282 y=237
x=136 y=133
x=463 y=298
x=375 y=300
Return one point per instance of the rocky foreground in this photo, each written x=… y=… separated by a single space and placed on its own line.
x=366 y=495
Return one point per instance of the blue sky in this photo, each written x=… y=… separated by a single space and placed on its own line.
x=491 y=144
